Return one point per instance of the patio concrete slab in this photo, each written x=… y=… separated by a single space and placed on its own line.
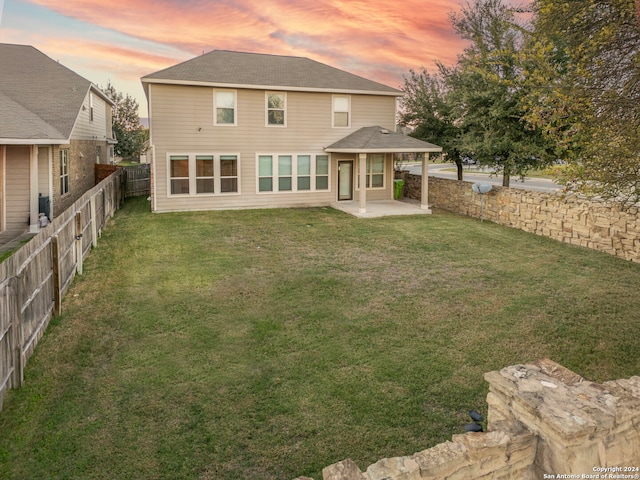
x=381 y=208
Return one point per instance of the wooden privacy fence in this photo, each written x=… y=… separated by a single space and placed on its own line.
x=138 y=180
x=35 y=278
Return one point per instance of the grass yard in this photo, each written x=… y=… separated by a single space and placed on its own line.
x=268 y=344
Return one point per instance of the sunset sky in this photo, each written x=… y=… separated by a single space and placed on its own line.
x=123 y=40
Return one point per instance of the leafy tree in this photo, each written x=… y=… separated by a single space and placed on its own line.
x=585 y=73
x=128 y=130
x=476 y=108
x=425 y=107
x=488 y=89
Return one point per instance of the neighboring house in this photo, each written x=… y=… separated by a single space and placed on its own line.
x=243 y=130
x=54 y=127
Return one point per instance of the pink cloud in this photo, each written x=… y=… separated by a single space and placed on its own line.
x=339 y=32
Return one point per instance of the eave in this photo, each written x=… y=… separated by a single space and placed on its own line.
x=280 y=88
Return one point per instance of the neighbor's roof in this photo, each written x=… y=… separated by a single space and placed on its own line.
x=271 y=72
x=380 y=140
x=40 y=99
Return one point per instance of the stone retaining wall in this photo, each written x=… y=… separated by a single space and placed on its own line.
x=570 y=219
x=544 y=421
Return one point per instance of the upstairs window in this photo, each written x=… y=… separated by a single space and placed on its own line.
x=341 y=111
x=225 y=107
x=90 y=107
x=276 y=109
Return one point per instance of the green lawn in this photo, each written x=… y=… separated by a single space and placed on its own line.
x=268 y=344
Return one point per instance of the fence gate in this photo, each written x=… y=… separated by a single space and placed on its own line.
x=138 y=180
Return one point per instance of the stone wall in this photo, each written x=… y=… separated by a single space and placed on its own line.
x=571 y=219
x=544 y=421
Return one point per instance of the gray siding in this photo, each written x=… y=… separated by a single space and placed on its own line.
x=96 y=129
x=182 y=121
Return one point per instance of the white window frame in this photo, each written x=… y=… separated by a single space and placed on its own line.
x=369 y=174
x=217 y=174
x=334 y=111
x=91 y=106
x=64 y=172
x=215 y=107
x=275 y=174
x=267 y=109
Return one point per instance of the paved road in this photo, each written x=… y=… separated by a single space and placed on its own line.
x=436 y=170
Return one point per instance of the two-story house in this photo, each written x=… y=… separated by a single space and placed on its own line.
x=54 y=127
x=243 y=130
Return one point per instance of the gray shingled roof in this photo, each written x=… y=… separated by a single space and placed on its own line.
x=39 y=97
x=380 y=140
x=221 y=67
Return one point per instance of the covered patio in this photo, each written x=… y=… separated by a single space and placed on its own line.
x=378 y=140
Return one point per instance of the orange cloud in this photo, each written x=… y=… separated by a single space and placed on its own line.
x=378 y=39
x=339 y=32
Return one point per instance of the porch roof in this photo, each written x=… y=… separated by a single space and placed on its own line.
x=380 y=140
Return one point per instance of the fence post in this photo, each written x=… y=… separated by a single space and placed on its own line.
x=13 y=290
x=94 y=222
x=79 y=243
x=104 y=208
x=55 y=262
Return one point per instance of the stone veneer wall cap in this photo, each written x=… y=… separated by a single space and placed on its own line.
x=570 y=411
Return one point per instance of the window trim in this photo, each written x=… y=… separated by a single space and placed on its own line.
x=334 y=111
x=369 y=174
x=91 y=106
x=235 y=107
x=275 y=174
x=217 y=174
x=267 y=109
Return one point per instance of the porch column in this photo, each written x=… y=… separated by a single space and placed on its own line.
x=33 y=190
x=424 y=196
x=363 y=182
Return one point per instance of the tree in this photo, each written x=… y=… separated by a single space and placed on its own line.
x=424 y=107
x=128 y=130
x=488 y=89
x=476 y=107
x=585 y=65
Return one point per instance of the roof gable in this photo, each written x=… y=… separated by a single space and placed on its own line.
x=253 y=70
x=34 y=86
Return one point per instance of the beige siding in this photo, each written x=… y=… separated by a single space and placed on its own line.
x=183 y=122
x=85 y=128
x=17 y=188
